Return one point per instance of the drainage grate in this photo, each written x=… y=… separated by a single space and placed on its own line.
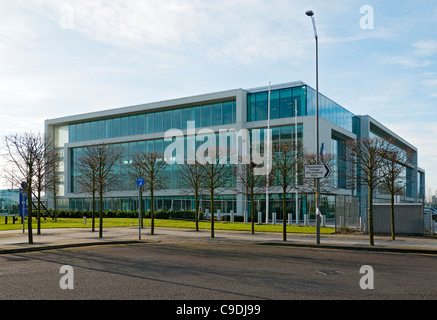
x=328 y=272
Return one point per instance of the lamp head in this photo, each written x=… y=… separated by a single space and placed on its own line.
x=309 y=13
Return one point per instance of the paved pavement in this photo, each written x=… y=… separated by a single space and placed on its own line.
x=15 y=241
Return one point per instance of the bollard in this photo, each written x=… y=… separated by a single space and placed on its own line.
x=273 y=217
x=245 y=216
x=232 y=215
x=84 y=219
x=219 y=215
x=305 y=219
x=290 y=218
x=259 y=217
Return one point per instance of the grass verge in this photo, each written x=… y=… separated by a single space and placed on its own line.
x=164 y=223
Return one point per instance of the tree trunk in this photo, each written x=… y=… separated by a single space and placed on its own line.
x=152 y=213
x=392 y=215
x=284 y=212
x=38 y=210
x=196 y=214
x=371 y=242
x=101 y=214
x=93 y=209
x=212 y=214
x=252 y=213
x=29 y=213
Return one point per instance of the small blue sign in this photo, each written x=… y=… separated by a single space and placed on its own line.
x=140 y=182
x=23 y=204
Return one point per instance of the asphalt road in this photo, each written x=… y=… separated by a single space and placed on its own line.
x=214 y=271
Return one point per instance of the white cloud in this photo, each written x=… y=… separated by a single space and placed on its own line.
x=425 y=47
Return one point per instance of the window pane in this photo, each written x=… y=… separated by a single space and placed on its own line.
x=150 y=146
x=140 y=123
x=195 y=116
x=176 y=119
x=216 y=110
x=285 y=103
x=101 y=129
x=158 y=146
x=79 y=132
x=132 y=125
x=72 y=132
x=93 y=130
x=116 y=127
x=123 y=126
x=86 y=131
x=186 y=116
x=299 y=96
x=206 y=115
x=261 y=106
x=158 y=121
x=274 y=104
x=166 y=120
x=149 y=122
x=227 y=112
x=251 y=107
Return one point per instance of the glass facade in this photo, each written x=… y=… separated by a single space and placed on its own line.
x=283 y=103
x=213 y=114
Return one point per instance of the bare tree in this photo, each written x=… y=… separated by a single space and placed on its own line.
x=152 y=165
x=45 y=168
x=367 y=158
x=99 y=163
x=86 y=179
x=251 y=184
x=193 y=176
x=217 y=174
x=23 y=152
x=285 y=157
x=395 y=161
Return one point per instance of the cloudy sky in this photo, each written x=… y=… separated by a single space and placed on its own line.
x=59 y=58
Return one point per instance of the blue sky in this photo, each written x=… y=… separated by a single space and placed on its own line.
x=59 y=58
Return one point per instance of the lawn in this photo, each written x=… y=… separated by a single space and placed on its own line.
x=164 y=223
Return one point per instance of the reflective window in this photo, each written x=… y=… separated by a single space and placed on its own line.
x=206 y=115
x=149 y=122
x=158 y=121
x=227 y=112
x=186 y=116
x=123 y=126
x=176 y=119
x=141 y=123
x=195 y=116
x=166 y=120
x=216 y=113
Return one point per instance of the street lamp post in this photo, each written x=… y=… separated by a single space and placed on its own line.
x=310 y=13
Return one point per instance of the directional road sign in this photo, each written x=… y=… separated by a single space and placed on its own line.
x=316 y=171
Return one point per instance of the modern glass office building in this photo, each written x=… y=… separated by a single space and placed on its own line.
x=287 y=109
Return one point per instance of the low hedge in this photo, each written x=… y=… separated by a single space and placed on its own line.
x=159 y=214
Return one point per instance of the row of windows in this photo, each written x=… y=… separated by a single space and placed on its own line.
x=283 y=104
x=171 y=172
x=215 y=114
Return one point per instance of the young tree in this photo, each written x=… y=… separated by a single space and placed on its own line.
x=192 y=177
x=394 y=164
x=86 y=179
x=23 y=152
x=367 y=156
x=45 y=168
x=99 y=166
x=251 y=184
x=217 y=174
x=285 y=157
x=152 y=165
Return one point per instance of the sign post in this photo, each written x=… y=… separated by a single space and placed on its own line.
x=317 y=172
x=140 y=182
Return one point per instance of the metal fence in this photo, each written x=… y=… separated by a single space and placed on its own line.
x=347 y=213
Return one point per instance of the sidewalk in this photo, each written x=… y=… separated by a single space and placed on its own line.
x=15 y=241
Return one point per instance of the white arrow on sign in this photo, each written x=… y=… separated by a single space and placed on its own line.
x=316 y=171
